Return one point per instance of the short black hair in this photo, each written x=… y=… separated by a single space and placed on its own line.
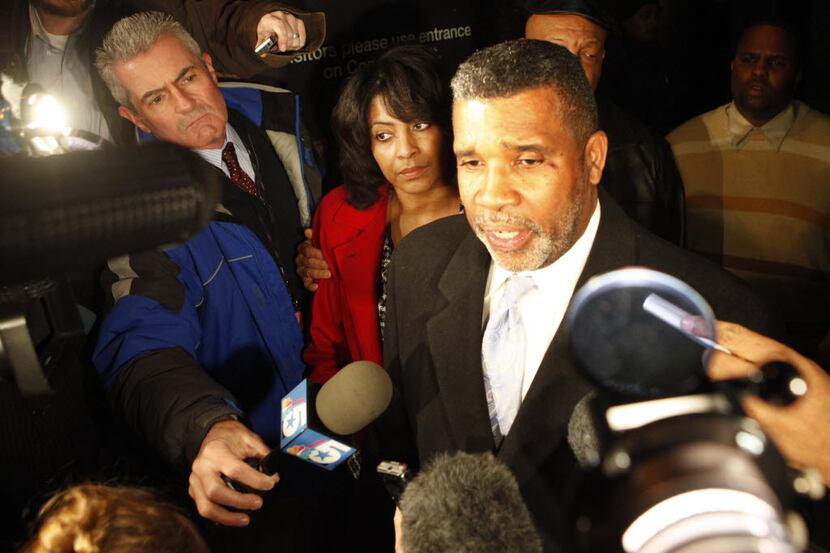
x=466 y=503
x=514 y=66
x=409 y=80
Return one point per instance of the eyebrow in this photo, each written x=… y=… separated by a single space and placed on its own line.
x=538 y=148
x=562 y=41
x=532 y=147
x=181 y=74
x=381 y=122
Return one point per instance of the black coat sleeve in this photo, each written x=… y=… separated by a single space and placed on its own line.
x=172 y=402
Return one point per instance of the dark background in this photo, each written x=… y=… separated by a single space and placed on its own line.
x=697 y=38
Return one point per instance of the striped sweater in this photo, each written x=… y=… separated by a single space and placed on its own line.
x=758 y=202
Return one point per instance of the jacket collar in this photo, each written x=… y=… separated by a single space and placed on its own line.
x=455 y=334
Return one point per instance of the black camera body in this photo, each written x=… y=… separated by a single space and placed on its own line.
x=677 y=468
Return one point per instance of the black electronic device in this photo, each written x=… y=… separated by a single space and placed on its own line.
x=678 y=468
x=395 y=476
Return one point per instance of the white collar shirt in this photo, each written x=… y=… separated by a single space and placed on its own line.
x=543 y=308
x=774 y=130
x=57 y=64
x=214 y=155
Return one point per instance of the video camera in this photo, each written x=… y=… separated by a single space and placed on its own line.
x=677 y=466
x=70 y=202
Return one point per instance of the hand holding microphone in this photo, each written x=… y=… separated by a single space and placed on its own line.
x=234 y=466
x=223 y=453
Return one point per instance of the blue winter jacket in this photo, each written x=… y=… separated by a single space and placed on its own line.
x=206 y=330
x=236 y=320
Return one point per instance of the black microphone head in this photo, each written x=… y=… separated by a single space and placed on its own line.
x=354 y=397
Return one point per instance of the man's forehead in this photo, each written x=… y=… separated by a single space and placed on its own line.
x=526 y=115
x=767 y=39
x=166 y=60
x=572 y=24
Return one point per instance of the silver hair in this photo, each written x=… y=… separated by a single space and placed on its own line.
x=466 y=503
x=131 y=36
x=515 y=66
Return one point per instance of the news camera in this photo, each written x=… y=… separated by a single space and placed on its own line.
x=70 y=202
x=676 y=467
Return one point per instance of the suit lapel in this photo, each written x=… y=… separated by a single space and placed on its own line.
x=543 y=416
x=454 y=335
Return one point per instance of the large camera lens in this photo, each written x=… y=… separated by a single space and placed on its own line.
x=680 y=469
x=706 y=482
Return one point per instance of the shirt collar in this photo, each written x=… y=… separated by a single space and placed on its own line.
x=214 y=155
x=773 y=130
x=565 y=269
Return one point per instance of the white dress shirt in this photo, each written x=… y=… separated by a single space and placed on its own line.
x=56 y=63
x=214 y=155
x=543 y=308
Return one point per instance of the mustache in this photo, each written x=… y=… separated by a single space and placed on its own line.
x=499 y=217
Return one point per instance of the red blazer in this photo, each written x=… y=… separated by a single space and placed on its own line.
x=344 y=313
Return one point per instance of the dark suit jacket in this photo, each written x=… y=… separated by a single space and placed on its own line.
x=432 y=350
x=641 y=175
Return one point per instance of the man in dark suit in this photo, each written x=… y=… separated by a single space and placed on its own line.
x=480 y=362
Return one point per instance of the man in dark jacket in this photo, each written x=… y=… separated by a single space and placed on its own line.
x=640 y=173
x=536 y=228
x=52 y=43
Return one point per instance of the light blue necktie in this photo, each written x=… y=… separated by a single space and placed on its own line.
x=503 y=356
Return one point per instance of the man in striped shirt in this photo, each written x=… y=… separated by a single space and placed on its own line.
x=757 y=177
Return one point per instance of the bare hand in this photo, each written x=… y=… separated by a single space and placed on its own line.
x=311 y=265
x=288 y=31
x=398 y=531
x=224 y=449
x=801 y=430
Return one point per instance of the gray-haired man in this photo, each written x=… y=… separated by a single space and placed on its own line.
x=205 y=334
x=52 y=43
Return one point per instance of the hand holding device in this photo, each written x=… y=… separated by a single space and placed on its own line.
x=224 y=451
x=282 y=30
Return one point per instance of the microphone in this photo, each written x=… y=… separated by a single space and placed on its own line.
x=344 y=405
x=72 y=211
x=317 y=421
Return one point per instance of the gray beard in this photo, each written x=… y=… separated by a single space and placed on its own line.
x=546 y=249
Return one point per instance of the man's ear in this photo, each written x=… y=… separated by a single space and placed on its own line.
x=133 y=118
x=209 y=64
x=596 y=151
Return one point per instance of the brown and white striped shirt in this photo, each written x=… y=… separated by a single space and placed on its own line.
x=758 y=202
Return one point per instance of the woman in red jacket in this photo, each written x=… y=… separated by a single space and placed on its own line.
x=393 y=127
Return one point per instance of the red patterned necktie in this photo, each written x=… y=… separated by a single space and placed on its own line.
x=238 y=176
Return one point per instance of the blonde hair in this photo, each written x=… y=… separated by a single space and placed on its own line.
x=94 y=518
